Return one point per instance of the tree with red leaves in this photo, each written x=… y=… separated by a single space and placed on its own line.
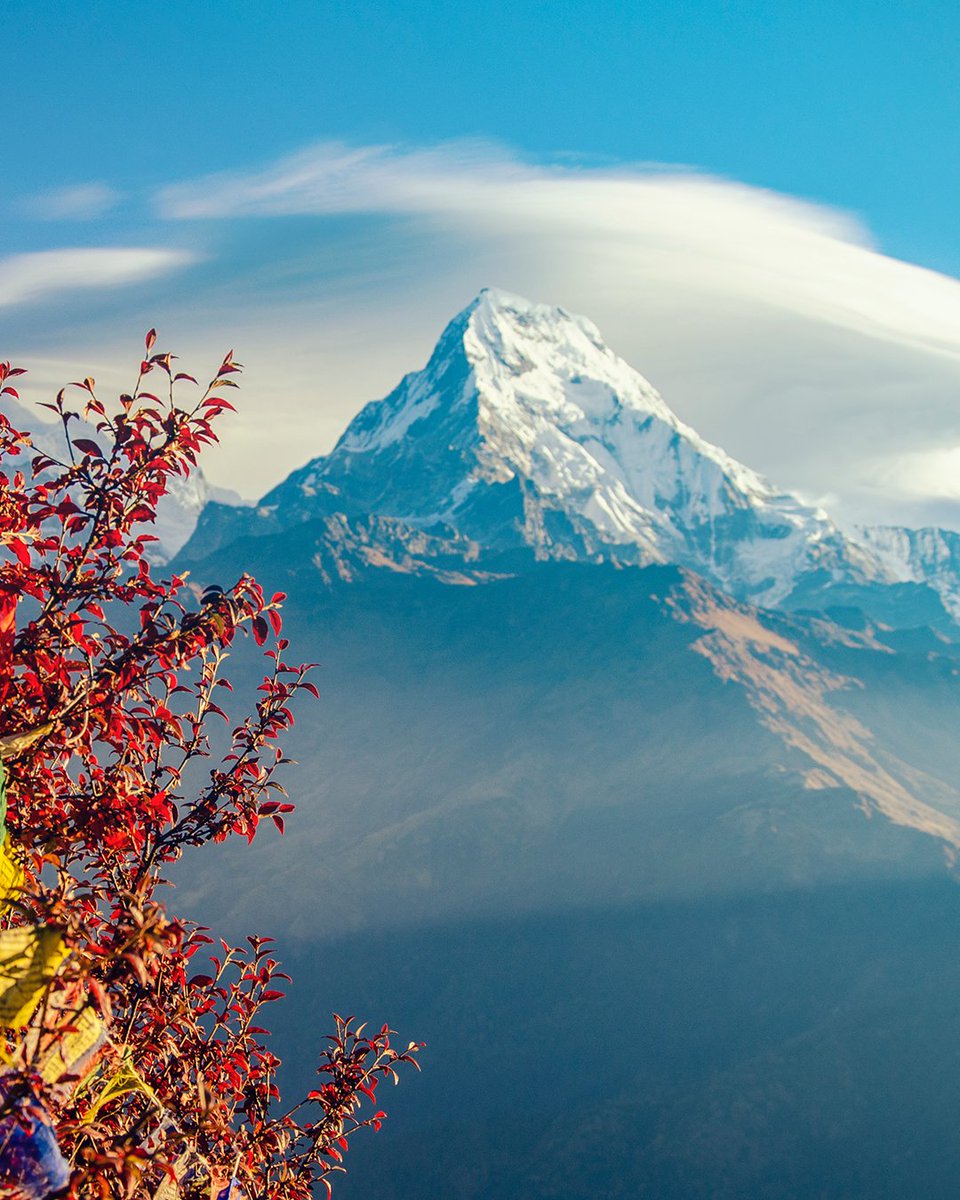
x=128 y=1070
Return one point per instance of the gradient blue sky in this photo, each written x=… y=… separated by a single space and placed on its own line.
x=371 y=160
x=854 y=104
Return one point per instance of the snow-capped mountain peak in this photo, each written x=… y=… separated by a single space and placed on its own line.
x=525 y=431
x=521 y=355
x=538 y=366
x=504 y=328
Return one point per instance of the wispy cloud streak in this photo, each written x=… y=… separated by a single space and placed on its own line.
x=27 y=278
x=76 y=202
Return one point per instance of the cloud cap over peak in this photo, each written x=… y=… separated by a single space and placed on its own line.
x=678 y=227
x=769 y=323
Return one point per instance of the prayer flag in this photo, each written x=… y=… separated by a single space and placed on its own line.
x=74 y=1051
x=233 y=1191
x=8 y=612
x=30 y=1158
x=65 y=1038
x=29 y=960
x=192 y=1174
x=11 y=873
x=127 y=1079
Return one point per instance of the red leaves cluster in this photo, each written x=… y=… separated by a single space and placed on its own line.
x=110 y=682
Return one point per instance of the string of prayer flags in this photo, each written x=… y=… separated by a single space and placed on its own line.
x=30 y=1158
x=29 y=961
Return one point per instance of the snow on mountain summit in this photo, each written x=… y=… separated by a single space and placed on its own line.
x=526 y=430
x=548 y=377
x=521 y=354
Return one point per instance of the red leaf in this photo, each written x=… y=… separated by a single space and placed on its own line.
x=99 y=994
x=20 y=550
x=260 y=630
x=150 y=339
x=136 y=964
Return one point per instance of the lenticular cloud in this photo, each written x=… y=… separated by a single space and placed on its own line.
x=771 y=323
x=665 y=226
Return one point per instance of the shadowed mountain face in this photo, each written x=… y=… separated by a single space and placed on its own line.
x=637 y=863
x=800 y=1044
x=665 y=879
x=585 y=735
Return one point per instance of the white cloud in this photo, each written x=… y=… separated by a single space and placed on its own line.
x=770 y=323
x=709 y=235
x=929 y=474
x=76 y=202
x=336 y=178
x=27 y=278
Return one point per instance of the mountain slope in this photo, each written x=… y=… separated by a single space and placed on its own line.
x=578 y=734
x=526 y=431
x=640 y=863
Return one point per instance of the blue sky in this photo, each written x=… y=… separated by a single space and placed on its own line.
x=370 y=163
x=853 y=104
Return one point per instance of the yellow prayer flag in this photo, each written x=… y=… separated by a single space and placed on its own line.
x=64 y=1037
x=11 y=875
x=126 y=1079
x=29 y=960
x=74 y=1049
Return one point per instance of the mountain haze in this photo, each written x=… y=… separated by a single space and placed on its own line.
x=177 y=511
x=619 y=746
